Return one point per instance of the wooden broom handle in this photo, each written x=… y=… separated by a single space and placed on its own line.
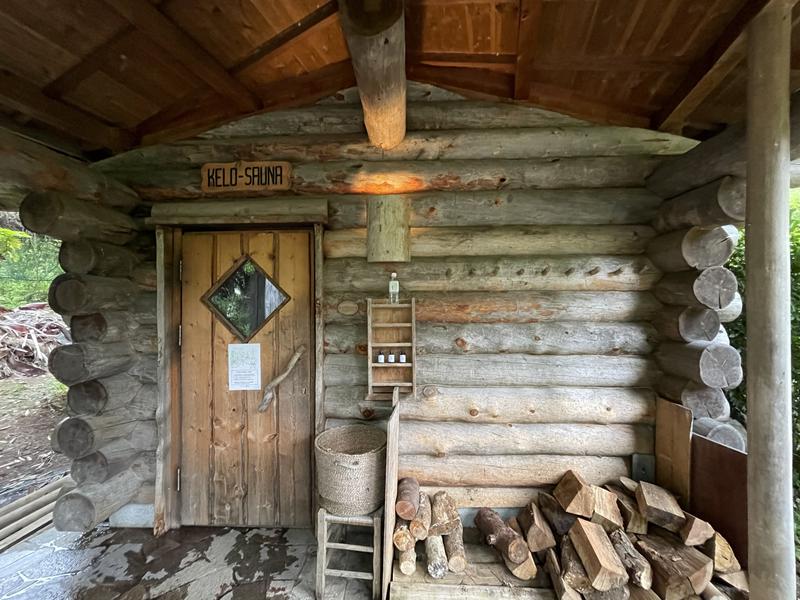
x=269 y=391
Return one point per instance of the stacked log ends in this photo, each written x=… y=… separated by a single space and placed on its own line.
x=720 y=202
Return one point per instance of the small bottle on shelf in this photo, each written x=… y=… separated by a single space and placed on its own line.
x=391 y=357
x=381 y=357
x=403 y=357
x=394 y=289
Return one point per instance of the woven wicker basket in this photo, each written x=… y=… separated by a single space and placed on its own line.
x=351 y=462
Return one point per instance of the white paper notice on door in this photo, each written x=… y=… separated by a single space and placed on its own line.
x=244 y=367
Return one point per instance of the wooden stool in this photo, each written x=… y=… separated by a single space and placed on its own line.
x=323 y=545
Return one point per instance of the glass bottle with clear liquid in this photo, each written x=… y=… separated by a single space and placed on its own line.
x=394 y=289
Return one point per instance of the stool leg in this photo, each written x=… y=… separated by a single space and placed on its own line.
x=377 y=558
x=322 y=542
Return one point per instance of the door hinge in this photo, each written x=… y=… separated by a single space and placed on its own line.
x=178 y=479
x=180 y=335
x=180 y=269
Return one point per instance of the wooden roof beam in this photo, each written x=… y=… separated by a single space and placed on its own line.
x=148 y=19
x=708 y=72
x=24 y=97
x=375 y=34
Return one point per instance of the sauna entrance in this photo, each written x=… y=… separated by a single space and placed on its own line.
x=246 y=320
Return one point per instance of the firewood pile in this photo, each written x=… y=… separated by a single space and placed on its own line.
x=434 y=521
x=625 y=540
x=27 y=335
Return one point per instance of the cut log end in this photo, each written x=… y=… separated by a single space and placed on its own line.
x=74 y=512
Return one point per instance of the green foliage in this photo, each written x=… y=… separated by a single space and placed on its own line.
x=29 y=264
x=10 y=241
x=736 y=331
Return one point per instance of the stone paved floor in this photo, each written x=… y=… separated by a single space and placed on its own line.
x=193 y=563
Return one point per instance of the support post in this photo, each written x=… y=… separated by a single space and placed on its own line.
x=769 y=418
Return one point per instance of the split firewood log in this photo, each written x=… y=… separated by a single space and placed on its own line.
x=719 y=550
x=436 y=556
x=562 y=589
x=444 y=514
x=420 y=524
x=560 y=520
x=712 y=592
x=737 y=580
x=572 y=570
x=454 y=547
x=575 y=495
x=639 y=570
x=526 y=570
x=606 y=512
x=633 y=519
x=660 y=507
x=695 y=531
x=407 y=498
x=638 y=593
x=622 y=592
x=678 y=571
x=496 y=533
x=535 y=528
x=402 y=538
x=603 y=566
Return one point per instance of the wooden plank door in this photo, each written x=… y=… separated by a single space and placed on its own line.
x=239 y=466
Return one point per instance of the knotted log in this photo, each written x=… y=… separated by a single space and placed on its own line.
x=688 y=323
x=444 y=515
x=702 y=400
x=717 y=203
x=66 y=218
x=109 y=393
x=709 y=363
x=74 y=294
x=496 y=533
x=79 y=436
x=713 y=288
x=102 y=464
x=114 y=326
x=407 y=502
x=87 y=506
x=693 y=248
x=454 y=546
x=720 y=432
x=98 y=258
x=75 y=363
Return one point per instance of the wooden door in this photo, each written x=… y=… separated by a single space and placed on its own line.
x=240 y=466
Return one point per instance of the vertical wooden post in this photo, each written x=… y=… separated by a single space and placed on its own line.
x=769 y=419
x=388 y=235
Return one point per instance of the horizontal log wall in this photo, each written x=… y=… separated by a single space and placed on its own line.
x=528 y=233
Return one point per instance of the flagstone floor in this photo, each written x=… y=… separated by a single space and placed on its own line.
x=193 y=563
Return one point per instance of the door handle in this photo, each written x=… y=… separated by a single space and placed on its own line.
x=269 y=391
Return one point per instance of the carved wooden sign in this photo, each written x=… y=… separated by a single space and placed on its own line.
x=245 y=176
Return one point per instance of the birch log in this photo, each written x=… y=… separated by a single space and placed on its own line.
x=708 y=363
x=693 y=248
x=717 y=203
x=688 y=323
x=713 y=288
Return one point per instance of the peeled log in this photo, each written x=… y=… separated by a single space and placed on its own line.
x=496 y=533
x=722 y=433
x=79 y=436
x=421 y=523
x=66 y=218
x=114 y=326
x=702 y=400
x=75 y=363
x=713 y=288
x=408 y=561
x=104 y=463
x=694 y=248
x=436 y=556
x=709 y=363
x=109 y=393
x=85 y=256
x=72 y=294
x=688 y=323
x=87 y=506
x=407 y=502
x=717 y=203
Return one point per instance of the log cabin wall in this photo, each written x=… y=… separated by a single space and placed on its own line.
x=528 y=238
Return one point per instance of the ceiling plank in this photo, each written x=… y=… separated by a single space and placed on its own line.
x=482 y=83
x=530 y=16
x=707 y=73
x=26 y=98
x=148 y=19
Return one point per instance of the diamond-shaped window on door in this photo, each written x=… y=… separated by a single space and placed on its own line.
x=245 y=298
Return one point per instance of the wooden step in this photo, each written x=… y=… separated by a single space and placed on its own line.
x=349 y=574
x=350 y=547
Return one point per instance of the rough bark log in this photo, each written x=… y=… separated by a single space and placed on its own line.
x=574 y=207
x=659 y=506
x=444 y=515
x=76 y=363
x=442 y=439
x=572 y=568
x=559 y=519
x=717 y=203
x=85 y=507
x=535 y=528
x=720 y=432
x=603 y=566
x=678 y=571
x=505 y=405
x=79 y=436
x=403 y=177
x=436 y=556
x=693 y=248
x=496 y=533
x=109 y=394
x=695 y=531
x=575 y=494
x=402 y=538
x=407 y=502
x=702 y=400
x=255 y=211
x=639 y=570
x=634 y=521
x=408 y=561
x=72 y=294
x=97 y=258
x=606 y=513
x=708 y=363
x=66 y=218
x=494 y=274
x=713 y=288
x=114 y=326
x=420 y=525
x=503 y=470
x=520 y=240
x=454 y=546
x=508 y=307
x=688 y=323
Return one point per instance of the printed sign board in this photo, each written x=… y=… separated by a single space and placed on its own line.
x=245 y=176
x=244 y=367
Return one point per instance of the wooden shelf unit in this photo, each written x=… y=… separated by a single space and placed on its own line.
x=391 y=328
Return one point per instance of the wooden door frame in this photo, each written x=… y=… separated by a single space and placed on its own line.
x=168 y=411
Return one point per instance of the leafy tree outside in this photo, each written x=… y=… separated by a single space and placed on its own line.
x=28 y=264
